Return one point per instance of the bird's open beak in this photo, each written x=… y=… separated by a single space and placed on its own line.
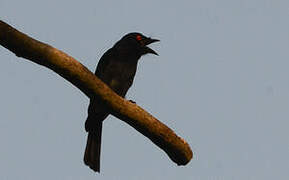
x=148 y=41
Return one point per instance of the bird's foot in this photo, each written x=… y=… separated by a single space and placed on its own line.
x=132 y=101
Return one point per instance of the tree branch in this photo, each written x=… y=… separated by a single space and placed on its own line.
x=23 y=46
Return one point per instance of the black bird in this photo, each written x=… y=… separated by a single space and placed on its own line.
x=116 y=68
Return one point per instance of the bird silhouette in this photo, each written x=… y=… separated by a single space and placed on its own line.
x=117 y=68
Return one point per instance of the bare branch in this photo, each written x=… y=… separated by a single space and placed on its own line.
x=23 y=46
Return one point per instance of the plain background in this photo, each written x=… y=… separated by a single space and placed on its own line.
x=221 y=82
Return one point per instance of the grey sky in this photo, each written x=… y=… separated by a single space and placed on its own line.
x=221 y=82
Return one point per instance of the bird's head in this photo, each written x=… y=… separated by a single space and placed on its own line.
x=137 y=42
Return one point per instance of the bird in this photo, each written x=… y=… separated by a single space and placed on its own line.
x=116 y=68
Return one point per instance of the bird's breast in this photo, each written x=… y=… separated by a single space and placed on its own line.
x=122 y=76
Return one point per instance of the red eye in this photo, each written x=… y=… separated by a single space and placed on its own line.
x=138 y=37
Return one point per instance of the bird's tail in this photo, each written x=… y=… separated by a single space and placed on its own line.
x=93 y=146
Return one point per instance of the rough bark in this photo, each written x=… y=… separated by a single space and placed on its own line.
x=24 y=46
